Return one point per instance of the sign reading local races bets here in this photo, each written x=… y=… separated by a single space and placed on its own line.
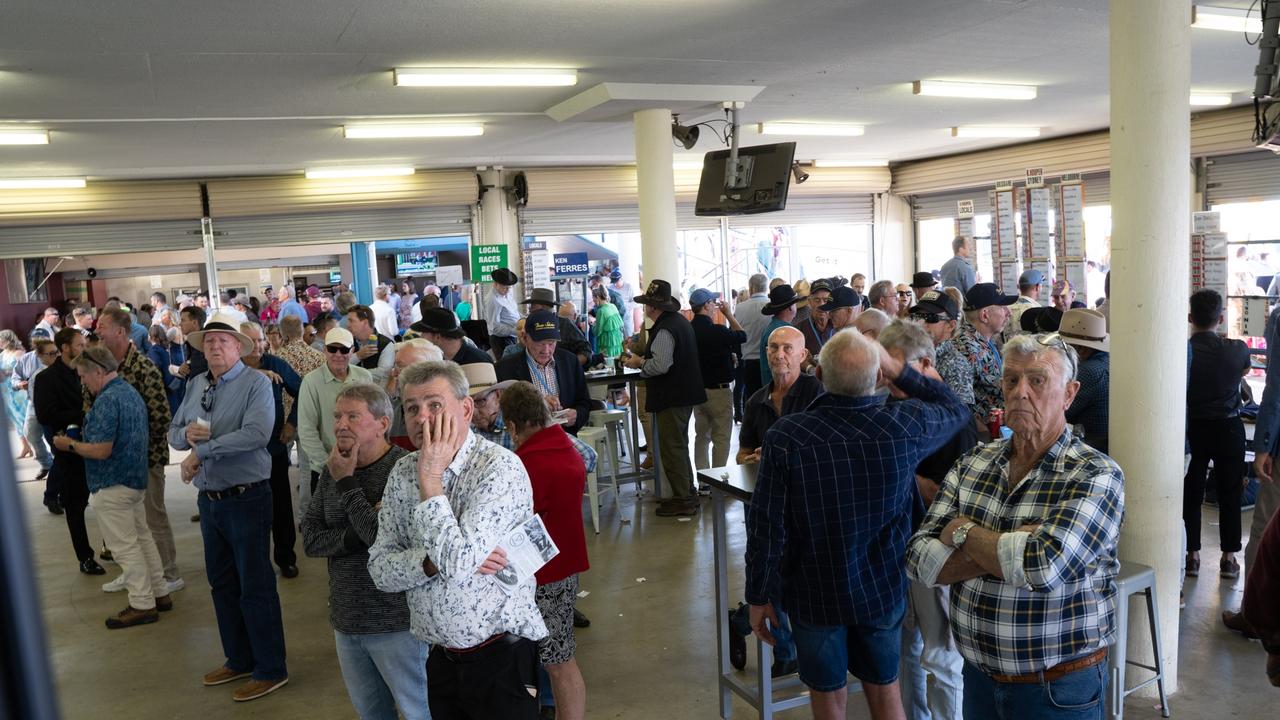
x=485 y=259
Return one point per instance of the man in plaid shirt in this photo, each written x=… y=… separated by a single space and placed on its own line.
x=1025 y=531
x=828 y=522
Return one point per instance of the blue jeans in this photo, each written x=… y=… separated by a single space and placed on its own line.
x=826 y=654
x=383 y=670
x=784 y=646
x=1080 y=695
x=237 y=558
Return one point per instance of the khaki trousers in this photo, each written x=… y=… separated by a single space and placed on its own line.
x=123 y=522
x=673 y=448
x=158 y=522
x=712 y=425
x=1264 y=507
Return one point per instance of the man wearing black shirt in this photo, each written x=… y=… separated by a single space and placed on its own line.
x=790 y=391
x=713 y=420
x=1214 y=430
x=441 y=327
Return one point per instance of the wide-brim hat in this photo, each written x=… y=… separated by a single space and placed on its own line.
x=542 y=296
x=1085 y=327
x=936 y=303
x=923 y=280
x=504 y=276
x=658 y=295
x=482 y=379
x=1040 y=319
x=439 y=321
x=780 y=298
x=221 y=323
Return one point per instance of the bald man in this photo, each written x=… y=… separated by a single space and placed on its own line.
x=871 y=322
x=790 y=391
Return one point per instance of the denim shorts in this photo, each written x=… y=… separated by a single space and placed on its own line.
x=828 y=653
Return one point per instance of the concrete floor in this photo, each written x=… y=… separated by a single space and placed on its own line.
x=649 y=653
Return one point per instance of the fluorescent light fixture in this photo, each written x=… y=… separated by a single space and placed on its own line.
x=850 y=163
x=23 y=136
x=1231 y=19
x=44 y=183
x=356 y=172
x=423 y=130
x=987 y=131
x=1210 y=99
x=992 y=91
x=484 y=77
x=804 y=128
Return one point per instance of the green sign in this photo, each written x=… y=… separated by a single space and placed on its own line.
x=485 y=259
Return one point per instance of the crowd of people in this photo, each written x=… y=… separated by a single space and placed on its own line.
x=934 y=494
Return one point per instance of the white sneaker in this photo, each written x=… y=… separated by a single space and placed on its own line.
x=173 y=586
x=115 y=585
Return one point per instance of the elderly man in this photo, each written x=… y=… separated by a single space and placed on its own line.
x=114 y=448
x=782 y=308
x=673 y=384
x=828 y=523
x=884 y=297
x=50 y=322
x=135 y=369
x=555 y=371
x=285 y=385
x=440 y=326
x=501 y=311
x=939 y=313
x=812 y=320
x=713 y=420
x=59 y=406
x=1063 y=295
x=225 y=421
x=753 y=321
x=844 y=306
x=290 y=307
x=958 y=272
x=871 y=322
x=374 y=351
x=1024 y=531
x=986 y=311
x=1029 y=283
x=383 y=664
x=927 y=645
x=1086 y=331
x=317 y=394
x=407 y=353
x=571 y=338
x=444 y=511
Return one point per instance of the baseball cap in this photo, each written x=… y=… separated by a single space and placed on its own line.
x=819 y=285
x=702 y=296
x=985 y=295
x=842 y=297
x=1030 y=277
x=542 y=325
x=340 y=336
x=616 y=274
x=936 y=303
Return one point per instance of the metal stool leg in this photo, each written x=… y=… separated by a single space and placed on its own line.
x=1119 y=657
x=1153 y=612
x=593 y=497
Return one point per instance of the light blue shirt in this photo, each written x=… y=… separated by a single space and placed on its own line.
x=118 y=416
x=753 y=322
x=292 y=307
x=241 y=415
x=957 y=273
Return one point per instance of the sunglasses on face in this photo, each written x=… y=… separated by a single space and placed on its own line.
x=931 y=318
x=904 y=293
x=338 y=349
x=206 y=398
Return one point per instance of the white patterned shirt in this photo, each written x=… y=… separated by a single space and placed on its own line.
x=486 y=494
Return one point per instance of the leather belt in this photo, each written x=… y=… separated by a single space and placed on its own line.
x=721 y=386
x=233 y=491
x=475 y=652
x=1057 y=671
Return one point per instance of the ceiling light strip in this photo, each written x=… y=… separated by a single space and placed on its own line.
x=1229 y=19
x=425 y=130
x=484 y=77
x=989 y=91
x=357 y=172
x=23 y=136
x=44 y=183
x=982 y=131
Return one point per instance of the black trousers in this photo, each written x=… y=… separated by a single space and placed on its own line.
x=750 y=379
x=52 y=486
x=498 y=344
x=499 y=680
x=284 y=532
x=1221 y=441
x=75 y=498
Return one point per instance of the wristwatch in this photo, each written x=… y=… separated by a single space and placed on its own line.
x=960 y=534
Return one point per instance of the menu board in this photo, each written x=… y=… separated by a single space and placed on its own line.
x=1073 y=271
x=1008 y=273
x=964 y=227
x=1071 y=216
x=1205 y=222
x=1037 y=213
x=1005 y=232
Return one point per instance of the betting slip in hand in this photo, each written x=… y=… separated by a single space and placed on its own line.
x=528 y=546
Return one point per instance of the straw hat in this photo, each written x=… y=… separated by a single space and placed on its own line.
x=221 y=323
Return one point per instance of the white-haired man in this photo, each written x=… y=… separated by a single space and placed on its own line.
x=833 y=498
x=1024 y=531
x=289 y=306
x=407 y=353
x=871 y=322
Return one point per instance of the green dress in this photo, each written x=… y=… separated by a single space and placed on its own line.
x=608 y=330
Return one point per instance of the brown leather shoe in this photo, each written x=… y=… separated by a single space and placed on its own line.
x=164 y=603
x=131 y=616
x=255 y=689
x=1235 y=621
x=224 y=675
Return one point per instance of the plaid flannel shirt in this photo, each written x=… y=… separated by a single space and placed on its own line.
x=1058 y=599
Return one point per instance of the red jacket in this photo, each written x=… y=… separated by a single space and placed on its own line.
x=1261 y=604
x=558 y=477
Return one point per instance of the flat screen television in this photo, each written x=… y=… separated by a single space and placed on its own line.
x=766 y=179
x=417 y=263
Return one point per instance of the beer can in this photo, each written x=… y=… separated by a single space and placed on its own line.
x=995 y=420
x=73 y=432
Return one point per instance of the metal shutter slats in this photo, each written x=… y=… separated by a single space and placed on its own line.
x=856 y=209
x=1243 y=178
x=99 y=239
x=1097 y=191
x=341 y=227
x=102 y=202
x=296 y=195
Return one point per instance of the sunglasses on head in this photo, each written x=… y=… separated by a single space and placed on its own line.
x=339 y=349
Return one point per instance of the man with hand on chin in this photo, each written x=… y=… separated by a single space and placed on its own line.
x=444 y=511
x=226 y=421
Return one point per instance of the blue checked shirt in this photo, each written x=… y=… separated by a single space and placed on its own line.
x=1058 y=599
x=1267 y=430
x=1091 y=406
x=829 y=520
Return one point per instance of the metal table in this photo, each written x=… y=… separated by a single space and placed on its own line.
x=739 y=482
x=630 y=377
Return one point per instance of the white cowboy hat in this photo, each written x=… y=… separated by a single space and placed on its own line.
x=221 y=323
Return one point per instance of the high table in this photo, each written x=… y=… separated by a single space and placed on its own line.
x=739 y=482
x=631 y=377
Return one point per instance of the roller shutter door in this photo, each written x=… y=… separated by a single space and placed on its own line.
x=98 y=239
x=342 y=227
x=1243 y=178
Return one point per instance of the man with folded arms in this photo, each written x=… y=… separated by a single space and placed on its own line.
x=383 y=664
x=1024 y=532
x=444 y=511
x=225 y=420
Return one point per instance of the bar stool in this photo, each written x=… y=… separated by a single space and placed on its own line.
x=1131 y=580
x=598 y=439
x=615 y=422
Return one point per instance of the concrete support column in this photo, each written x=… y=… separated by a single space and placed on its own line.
x=656 y=186
x=499 y=224
x=1150 y=255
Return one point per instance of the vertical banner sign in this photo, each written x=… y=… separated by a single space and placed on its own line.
x=485 y=259
x=537 y=266
x=1037 y=243
x=1071 y=217
x=964 y=219
x=1005 y=237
